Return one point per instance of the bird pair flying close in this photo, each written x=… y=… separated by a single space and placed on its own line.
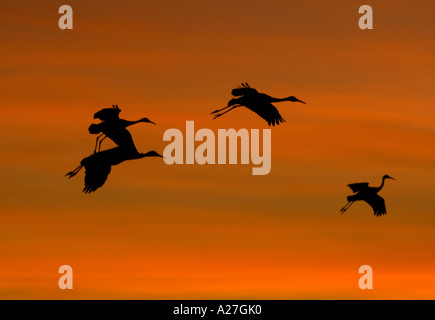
x=99 y=164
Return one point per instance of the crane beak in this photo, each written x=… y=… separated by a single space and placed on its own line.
x=301 y=101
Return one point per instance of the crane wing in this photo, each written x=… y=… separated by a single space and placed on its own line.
x=107 y=114
x=378 y=204
x=96 y=173
x=268 y=112
x=243 y=91
x=356 y=187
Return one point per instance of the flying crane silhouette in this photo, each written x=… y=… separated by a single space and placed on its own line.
x=114 y=128
x=368 y=194
x=99 y=165
x=257 y=102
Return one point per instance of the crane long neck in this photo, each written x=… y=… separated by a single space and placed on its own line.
x=128 y=123
x=382 y=184
x=272 y=99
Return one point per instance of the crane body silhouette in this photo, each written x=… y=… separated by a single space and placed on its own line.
x=257 y=102
x=98 y=165
x=114 y=128
x=368 y=194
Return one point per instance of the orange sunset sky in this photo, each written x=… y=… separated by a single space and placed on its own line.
x=155 y=231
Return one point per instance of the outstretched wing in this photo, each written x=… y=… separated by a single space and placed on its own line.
x=378 y=205
x=244 y=90
x=356 y=187
x=268 y=112
x=108 y=113
x=95 y=175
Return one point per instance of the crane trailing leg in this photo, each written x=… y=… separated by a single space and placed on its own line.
x=98 y=142
x=231 y=103
x=222 y=113
x=351 y=199
x=347 y=206
x=74 y=172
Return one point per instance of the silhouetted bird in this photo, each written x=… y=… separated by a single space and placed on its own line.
x=98 y=165
x=114 y=128
x=369 y=195
x=260 y=103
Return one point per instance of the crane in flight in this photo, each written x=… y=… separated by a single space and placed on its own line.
x=98 y=165
x=257 y=102
x=114 y=128
x=368 y=194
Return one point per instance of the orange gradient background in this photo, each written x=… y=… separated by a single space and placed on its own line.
x=155 y=231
